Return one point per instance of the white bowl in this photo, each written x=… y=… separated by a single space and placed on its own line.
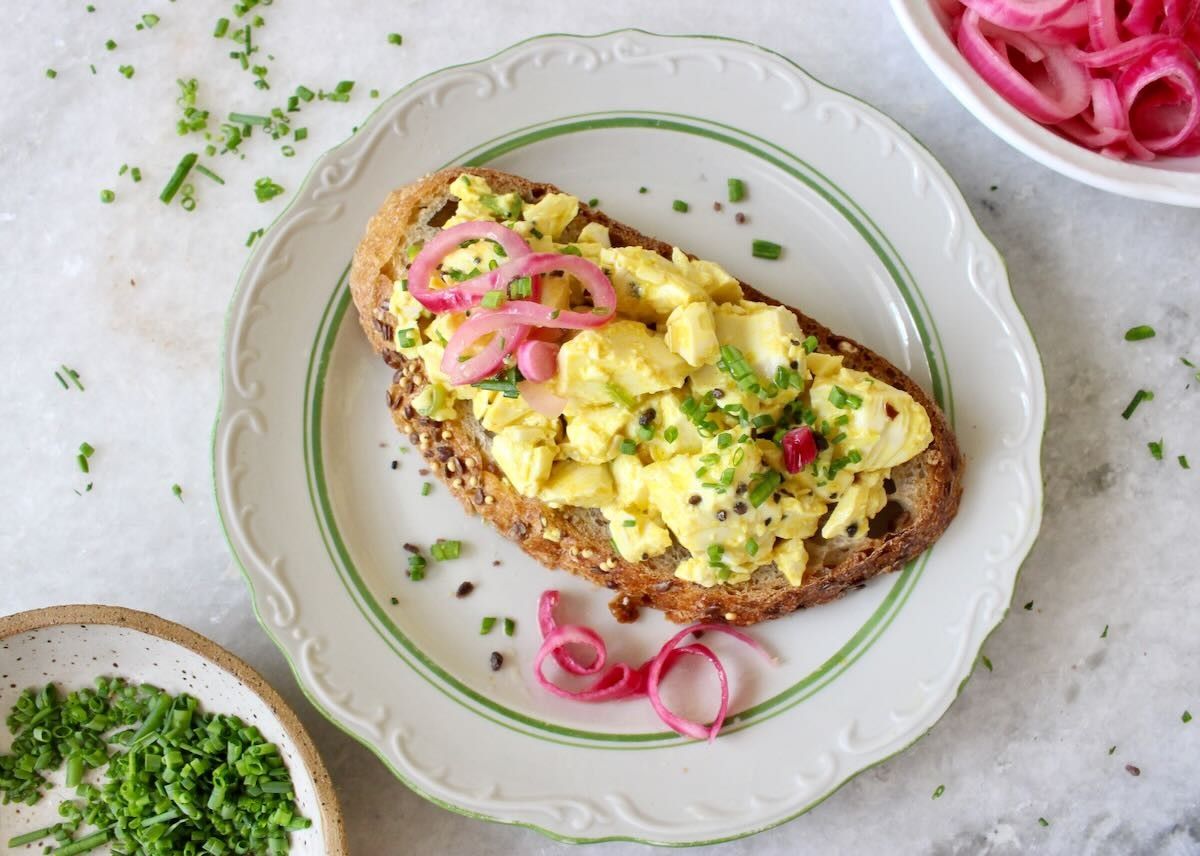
x=71 y=645
x=1175 y=181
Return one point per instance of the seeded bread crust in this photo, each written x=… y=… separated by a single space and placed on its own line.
x=926 y=491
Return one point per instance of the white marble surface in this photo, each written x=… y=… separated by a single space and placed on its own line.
x=133 y=295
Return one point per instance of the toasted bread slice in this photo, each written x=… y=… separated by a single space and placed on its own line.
x=923 y=502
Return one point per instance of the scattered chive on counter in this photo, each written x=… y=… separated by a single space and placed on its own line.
x=395 y=39
x=510 y=627
x=177 y=491
x=445 y=551
x=1156 y=449
x=1140 y=332
x=126 y=71
x=1043 y=822
x=426 y=487
x=938 y=791
x=737 y=189
x=987 y=664
x=51 y=73
x=107 y=196
x=177 y=177
x=486 y=625
x=1138 y=397
x=680 y=206
x=180 y=781
x=266 y=190
x=1183 y=462
x=761 y=249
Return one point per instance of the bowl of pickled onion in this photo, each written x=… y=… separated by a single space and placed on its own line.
x=1106 y=92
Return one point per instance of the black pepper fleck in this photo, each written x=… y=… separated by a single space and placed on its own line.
x=718 y=394
x=722 y=514
x=412 y=548
x=647 y=417
x=395 y=465
x=464 y=588
x=496 y=661
x=740 y=218
x=716 y=206
x=851 y=530
x=1132 y=770
x=694 y=499
x=740 y=507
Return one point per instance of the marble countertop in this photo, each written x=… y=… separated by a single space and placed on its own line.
x=133 y=295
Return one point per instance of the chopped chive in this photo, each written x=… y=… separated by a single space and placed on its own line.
x=493 y=299
x=221 y=28
x=253 y=236
x=51 y=73
x=570 y=250
x=810 y=344
x=486 y=625
x=1140 y=332
x=593 y=202
x=60 y=380
x=751 y=547
x=86 y=449
x=643 y=190
x=304 y=93
x=126 y=71
x=178 y=491
x=426 y=487
x=1043 y=822
x=110 y=45
x=416 y=567
x=1156 y=449
x=510 y=627
x=395 y=39
x=630 y=523
x=1186 y=718
x=938 y=791
x=628 y=447
x=618 y=394
x=266 y=190
x=1138 y=397
x=31 y=837
x=1104 y=632
x=1183 y=462
x=680 y=206
x=374 y=93
x=249 y=119
x=107 y=196
x=83 y=845
x=83 y=463
x=136 y=174
x=445 y=551
x=737 y=189
x=203 y=170
x=838 y=397
x=1029 y=606
x=671 y=434
x=177 y=178
x=986 y=662
x=761 y=249
x=150 y=19
x=765 y=486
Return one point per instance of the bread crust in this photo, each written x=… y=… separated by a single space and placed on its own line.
x=927 y=488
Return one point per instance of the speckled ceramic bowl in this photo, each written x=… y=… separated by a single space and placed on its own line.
x=72 y=645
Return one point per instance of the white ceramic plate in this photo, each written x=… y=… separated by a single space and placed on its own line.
x=73 y=645
x=1175 y=181
x=879 y=244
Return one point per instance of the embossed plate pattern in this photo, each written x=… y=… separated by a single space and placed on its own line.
x=878 y=243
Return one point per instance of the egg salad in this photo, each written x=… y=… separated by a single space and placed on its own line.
x=674 y=411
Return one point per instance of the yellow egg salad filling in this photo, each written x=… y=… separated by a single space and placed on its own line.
x=675 y=409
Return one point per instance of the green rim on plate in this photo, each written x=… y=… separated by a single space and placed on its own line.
x=944 y=396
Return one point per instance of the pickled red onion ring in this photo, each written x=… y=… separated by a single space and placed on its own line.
x=1021 y=14
x=540 y=398
x=512 y=321
x=547 y=624
x=618 y=682
x=1121 y=78
x=622 y=680
x=1171 y=63
x=677 y=723
x=468 y=293
x=1068 y=80
x=537 y=360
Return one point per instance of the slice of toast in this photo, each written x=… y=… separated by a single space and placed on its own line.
x=923 y=499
